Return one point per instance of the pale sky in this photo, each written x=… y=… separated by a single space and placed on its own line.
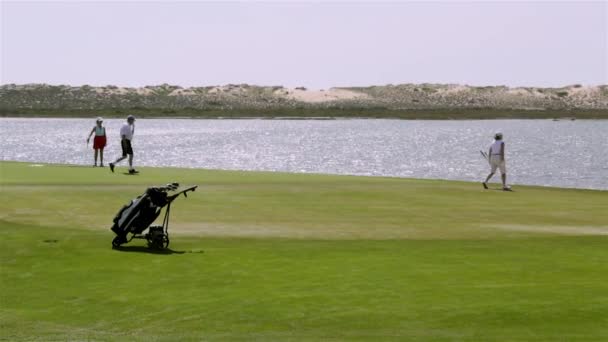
x=312 y=44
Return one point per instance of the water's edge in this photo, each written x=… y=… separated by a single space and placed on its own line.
x=37 y=164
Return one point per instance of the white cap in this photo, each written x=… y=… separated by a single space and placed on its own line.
x=99 y=119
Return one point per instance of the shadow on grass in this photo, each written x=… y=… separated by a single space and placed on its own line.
x=142 y=249
x=501 y=189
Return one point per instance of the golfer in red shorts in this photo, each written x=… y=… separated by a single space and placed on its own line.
x=99 y=142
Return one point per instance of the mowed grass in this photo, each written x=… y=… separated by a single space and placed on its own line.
x=271 y=256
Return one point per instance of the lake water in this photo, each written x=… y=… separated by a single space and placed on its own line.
x=539 y=152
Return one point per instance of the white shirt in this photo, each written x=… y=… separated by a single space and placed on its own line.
x=495 y=147
x=127 y=130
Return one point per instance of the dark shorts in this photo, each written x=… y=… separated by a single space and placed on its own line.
x=126 y=147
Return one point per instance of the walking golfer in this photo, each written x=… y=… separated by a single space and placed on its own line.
x=126 y=136
x=99 y=142
x=496 y=158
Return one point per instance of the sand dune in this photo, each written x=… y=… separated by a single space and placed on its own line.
x=317 y=96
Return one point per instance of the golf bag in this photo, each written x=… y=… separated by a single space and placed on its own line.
x=140 y=213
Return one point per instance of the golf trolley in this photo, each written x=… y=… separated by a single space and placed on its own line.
x=141 y=212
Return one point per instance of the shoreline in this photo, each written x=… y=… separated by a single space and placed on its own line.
x=468 y=182
x=316 y=113
x=311 y=118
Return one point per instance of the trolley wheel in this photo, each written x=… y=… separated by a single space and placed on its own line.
x=159 y=242
x=116 y=242
x=165 y=241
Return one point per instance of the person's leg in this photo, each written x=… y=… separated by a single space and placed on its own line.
x=503 y=174
x=131 y=169
x=116 y=162
x=100 y=157
x=493 y=167
x=95 y=161
x=130 y=152
x=125 y=152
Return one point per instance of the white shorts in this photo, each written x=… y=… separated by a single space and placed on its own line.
x=496 y=163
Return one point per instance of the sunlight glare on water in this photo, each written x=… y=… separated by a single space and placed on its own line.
x=539 y=152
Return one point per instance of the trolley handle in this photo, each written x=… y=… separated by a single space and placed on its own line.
x=185 y=192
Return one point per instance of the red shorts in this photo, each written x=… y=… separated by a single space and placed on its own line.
x=99 y=142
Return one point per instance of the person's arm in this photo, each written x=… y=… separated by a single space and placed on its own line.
x=89 y=137
x=502 y=152
x=123 y=136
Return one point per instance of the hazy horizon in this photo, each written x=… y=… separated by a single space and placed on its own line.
x=315 y=45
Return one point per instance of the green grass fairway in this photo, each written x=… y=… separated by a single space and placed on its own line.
x=275 y=257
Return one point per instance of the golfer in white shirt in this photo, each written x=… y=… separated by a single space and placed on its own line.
x=496 y=158
x=126 y=135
